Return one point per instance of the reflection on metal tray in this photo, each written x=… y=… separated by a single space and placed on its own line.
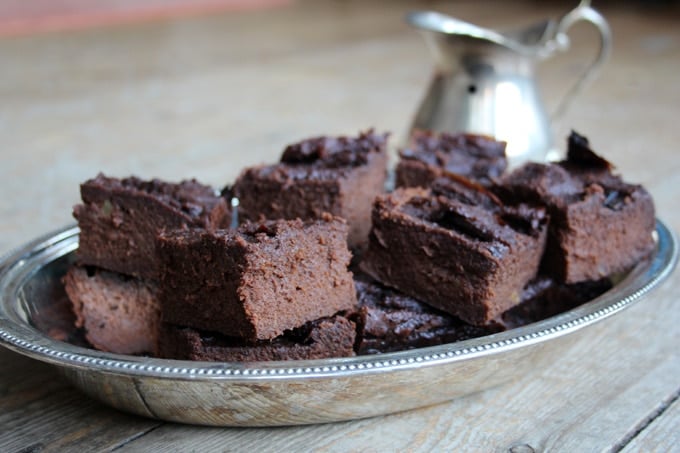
x=284 y=393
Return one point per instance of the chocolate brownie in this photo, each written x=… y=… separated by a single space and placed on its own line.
x=429 y=154
x=256 y=281
x=319 y=339
x=466 y=258
x=119 y=313
x=599 y=224
x=544 y=297
x=337 y=175
x=119 y=219
x=388 y=320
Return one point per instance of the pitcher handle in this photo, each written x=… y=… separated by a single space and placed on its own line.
x=583 y=12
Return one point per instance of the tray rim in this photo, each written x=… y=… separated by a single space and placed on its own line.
x=28 y=340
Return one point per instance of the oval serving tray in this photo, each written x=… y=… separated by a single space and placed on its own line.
x=285 y=393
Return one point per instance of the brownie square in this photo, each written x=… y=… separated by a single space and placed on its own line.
x=118 y=313
x=388 y=320
x=119 y=219
x=469 y=260
x=319 y=339
x=256 y=281
x=545 y=297
x=431 y=155
x=599 y=224
x=336 y=175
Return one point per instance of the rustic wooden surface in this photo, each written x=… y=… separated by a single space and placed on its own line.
x=202 y=97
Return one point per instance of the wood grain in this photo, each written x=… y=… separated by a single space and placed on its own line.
x=661 y=434
x=42 y=412
x=203 y=97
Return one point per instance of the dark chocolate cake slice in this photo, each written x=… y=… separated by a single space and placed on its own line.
x=119 y=219
x=336 y=175
x=599 y=224
x=468 y=258
x=258 y=280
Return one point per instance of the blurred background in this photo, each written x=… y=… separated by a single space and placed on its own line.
x=199 y=88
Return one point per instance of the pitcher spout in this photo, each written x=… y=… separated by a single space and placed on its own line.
x=446 y=34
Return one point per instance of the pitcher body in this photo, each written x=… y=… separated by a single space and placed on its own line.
x=494 y=95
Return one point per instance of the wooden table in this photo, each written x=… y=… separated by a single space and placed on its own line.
x=204 y=96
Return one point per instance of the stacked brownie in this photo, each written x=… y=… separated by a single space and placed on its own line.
x=336 y=175
x=114 y=286
x=269 y=290
x=117 y=312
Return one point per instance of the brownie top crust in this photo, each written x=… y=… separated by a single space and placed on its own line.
x=335 y=152
x=477 y=222
x=540 y=183
x=460 y=188
x=567 y=180
x=319 y=158
x=191 y=198
x=479 y=156
x=254 y=232
x=581 y=175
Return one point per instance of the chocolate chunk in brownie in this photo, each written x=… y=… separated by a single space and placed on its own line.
x=119 y=219
x=337 y=175
x=429 y=155
x=583 y=163
x=388 y=320
x=599 y=224
x=319 y=339
x=119 y=313
x=468 y=259
x=543 y=298
x=256 y=281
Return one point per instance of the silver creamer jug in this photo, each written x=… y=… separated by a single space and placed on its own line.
x=484 y=81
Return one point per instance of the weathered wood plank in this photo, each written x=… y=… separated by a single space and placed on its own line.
x=662 y=433
x=40 y=411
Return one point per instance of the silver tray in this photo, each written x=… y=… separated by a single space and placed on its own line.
x=294 y=392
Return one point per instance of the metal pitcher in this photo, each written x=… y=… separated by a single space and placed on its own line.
x=484 y=81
